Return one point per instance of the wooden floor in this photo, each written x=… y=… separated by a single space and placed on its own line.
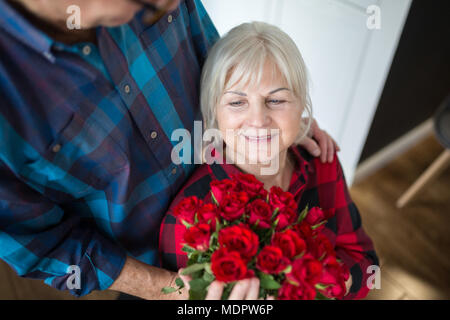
x=413 y=244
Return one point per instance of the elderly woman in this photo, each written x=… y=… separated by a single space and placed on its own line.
x=254 y=85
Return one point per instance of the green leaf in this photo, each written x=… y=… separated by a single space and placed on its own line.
x=208 y=268
x=318 y=225
x=276 y=223
x=198 y=284
x=299 y=255
x=193 y=268
x=320 y=286
x=193 y=256
x=186 y=224
x=287 y=270
x=167 y=290
x=275 y=212
x=197 y=295
x=208 y=277
x=303 y=214
x=227 y=290
x=179 y=283
x=187 y=249
x=268 y=282
x=217 y=225
x=214 y=199
x=320 y=296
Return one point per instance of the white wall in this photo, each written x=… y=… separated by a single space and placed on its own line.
x=347 y=62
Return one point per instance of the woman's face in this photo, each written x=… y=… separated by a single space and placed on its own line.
x=252 y=112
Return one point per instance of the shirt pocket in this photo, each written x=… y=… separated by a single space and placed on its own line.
x=83 y=156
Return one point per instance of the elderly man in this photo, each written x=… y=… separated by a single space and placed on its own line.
x=85 y=137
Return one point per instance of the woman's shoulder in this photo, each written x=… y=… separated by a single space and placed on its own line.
x=198 y=183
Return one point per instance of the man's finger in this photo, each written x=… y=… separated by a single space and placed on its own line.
x=330 y=150
x=215 y=291
x=323 y=144
x=253 y=290
x=311 y=146
x=240 y=290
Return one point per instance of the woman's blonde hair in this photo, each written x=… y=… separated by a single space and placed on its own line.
x=240 y=56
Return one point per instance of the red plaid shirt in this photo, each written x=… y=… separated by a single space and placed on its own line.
x=314 y=184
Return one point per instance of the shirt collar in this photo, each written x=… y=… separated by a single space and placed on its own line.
x=17 y=26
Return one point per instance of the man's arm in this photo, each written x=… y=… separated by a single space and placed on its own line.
x=40 y=240
x=145 y=281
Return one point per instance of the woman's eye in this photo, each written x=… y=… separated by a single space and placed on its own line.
x=276 y=102
x=236 y=103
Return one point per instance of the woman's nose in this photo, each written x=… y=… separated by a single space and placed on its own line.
x=259 y=116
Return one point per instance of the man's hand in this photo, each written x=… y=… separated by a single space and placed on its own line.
x=247 y=289
x=320 y=143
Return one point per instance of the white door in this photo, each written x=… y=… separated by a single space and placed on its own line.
x=348 y=47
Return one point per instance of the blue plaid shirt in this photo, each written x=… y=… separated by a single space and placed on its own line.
x=85 y=142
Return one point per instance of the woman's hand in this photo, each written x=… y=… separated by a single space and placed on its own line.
x=247 y=289
x=320 y=143
x=348 y=284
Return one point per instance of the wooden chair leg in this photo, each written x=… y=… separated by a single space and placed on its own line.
x=439 y=165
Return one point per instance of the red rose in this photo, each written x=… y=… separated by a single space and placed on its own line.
x=208 y=214
x=241 y=239
x=306 y=269
x=315 y=216
x=232 y=206
x=220 y=188
x=303 y=291
x=198 y=236
x=280 y=199
x=186 y=209
x=289 y=242
x=249 y=184
x=229 y=266
x=304 y=230
x=334 y=276
x=321 y=247
x=286 y=216
x=271 y=260
x=261 y=212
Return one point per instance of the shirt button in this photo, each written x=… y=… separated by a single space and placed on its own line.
x=87 y=50
x=154 y=134
x=56 y=148
x=174 y=170
x=127 y=89
x=169 y=18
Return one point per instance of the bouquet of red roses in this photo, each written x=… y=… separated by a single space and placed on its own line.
x=240 y=230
